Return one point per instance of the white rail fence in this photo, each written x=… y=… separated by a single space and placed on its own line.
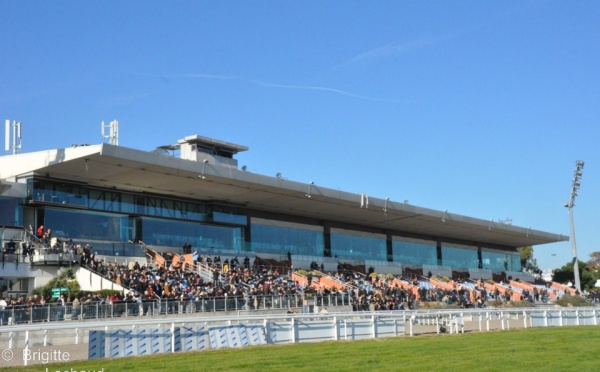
x=129 y=337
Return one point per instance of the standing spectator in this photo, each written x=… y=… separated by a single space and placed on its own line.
x=3 y=312
x=12 y=247
x=40 y=232
x=25 y=248
x=60 y=307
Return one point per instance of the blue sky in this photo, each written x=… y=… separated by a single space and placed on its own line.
x=480 y=108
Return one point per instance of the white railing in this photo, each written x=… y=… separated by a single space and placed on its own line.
x=187 y=333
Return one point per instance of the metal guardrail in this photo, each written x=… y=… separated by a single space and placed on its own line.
x=21 y=314
x=41 y=255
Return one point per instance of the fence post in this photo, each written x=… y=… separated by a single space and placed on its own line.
x=172 y=337
x=26 y=348
x=268 y=331
x=292 y=329
x=345 y=329
x=336 y=336
x=374 y=326
x=561 y=315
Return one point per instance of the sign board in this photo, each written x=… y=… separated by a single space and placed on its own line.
x=57 y=291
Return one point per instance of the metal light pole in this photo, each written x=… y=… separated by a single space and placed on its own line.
x=576 y=184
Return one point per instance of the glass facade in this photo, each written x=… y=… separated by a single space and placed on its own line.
x=350 y=245
x=111 y=219
x=87 y=225
x=414 y=252
x=459 y=256
x=10 y=212
x=177 y=233
x=69 y=195
x=280 y=237
x=57 y=192
x=122 y=217
x=500 y=261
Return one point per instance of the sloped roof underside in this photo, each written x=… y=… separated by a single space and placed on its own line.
x=140 y=171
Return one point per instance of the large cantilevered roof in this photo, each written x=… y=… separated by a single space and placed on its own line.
x=140 y=171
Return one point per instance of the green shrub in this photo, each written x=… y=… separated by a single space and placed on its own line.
x=438 y=305
x=520 y=304
x=64 y=279
x=567 y=300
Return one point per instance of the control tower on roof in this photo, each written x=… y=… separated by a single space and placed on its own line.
x=207 y=150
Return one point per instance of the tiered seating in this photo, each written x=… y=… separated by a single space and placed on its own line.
x=406 y=286
x=426 y=284
x=440 y=284
x=562 y=289
x=303 y=281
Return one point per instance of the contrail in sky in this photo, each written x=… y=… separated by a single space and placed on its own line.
x=267 y=84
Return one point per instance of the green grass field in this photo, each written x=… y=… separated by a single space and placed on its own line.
x=540 y=349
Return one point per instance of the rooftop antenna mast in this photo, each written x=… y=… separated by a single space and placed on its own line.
x=113 y=132
x=16 y=136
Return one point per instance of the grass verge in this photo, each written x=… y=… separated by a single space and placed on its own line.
x=539 y=349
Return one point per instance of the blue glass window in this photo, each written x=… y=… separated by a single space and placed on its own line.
x=280 y=238
x=358 y=247
x=500 y=261
x=414 y=252
x=457 y=256
x=177 y=233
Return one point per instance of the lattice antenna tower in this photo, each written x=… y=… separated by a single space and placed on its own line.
x=113 y=132
x=15 y=146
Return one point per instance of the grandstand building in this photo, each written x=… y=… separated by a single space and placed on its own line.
x=120 y=199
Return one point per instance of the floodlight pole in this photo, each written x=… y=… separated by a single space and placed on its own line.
x=576 y=184
x=574 y=249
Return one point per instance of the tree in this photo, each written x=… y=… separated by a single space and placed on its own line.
x=593 y=266
x=594 y=261
x=64 y=279
x=528 y=263
x=565 y=274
